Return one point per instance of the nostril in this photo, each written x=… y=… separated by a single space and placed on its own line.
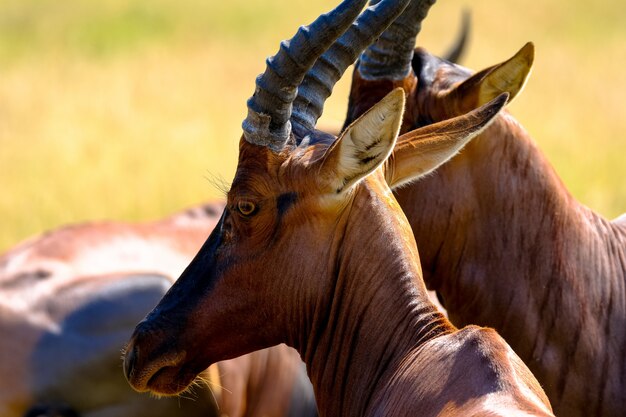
x=130 y=359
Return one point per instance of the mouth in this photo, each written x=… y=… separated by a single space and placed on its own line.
x=165 y=376
x=170 y=380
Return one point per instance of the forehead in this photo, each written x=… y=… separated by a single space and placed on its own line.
x=255 y=169
x=263 y=173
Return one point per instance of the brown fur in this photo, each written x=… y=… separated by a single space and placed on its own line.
x=336 y=276
x=47 y=279
x=506 y=246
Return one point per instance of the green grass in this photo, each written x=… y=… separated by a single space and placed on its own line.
x=86 y=29
x=123 y=108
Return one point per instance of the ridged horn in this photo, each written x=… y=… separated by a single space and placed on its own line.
x=319 y=81
x=269 y=109
x=390 y=57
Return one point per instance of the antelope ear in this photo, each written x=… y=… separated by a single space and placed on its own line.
x=365 y=144
x=508 y=77
x=422 y=150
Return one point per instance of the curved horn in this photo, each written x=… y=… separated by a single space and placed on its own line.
x=319 y=81
x=269 y=109
x=390 y=57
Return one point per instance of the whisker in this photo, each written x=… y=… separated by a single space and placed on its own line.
x=212 y=384
x=218 y=182
x=206 y=382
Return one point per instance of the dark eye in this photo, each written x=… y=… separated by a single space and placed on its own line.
x=246 y=207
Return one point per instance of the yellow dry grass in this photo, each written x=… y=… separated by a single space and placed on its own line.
x=123 y=109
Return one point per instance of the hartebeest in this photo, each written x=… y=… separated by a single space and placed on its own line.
x=501 y=240
x=68 y=302
x=313 y=250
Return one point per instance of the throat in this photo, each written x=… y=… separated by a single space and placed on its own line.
x=376 y=312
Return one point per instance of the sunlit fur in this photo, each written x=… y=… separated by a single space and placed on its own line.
x=335 y=275
x=48 y=281
x=507 y=246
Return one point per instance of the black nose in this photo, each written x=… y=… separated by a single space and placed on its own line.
x=130 y=359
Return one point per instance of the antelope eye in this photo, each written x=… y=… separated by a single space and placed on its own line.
x=246 y=207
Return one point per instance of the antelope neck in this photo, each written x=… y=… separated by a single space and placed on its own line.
x=497 y=198
x=506 y=245
x=373 y=313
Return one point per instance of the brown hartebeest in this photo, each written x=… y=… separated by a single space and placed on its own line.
x=70 y=299
x=501 y=239
x=313 y=250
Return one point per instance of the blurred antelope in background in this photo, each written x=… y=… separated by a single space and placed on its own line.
x=312 y=250
x=501 y=239
x=71 y=298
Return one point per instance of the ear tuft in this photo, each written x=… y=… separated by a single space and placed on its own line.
x=365 y=144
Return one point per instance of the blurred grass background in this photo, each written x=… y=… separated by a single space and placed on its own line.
x=124 y=109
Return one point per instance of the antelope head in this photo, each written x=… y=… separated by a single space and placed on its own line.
x=447 y=90
x=299 y=197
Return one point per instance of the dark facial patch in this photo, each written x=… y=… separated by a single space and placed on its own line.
x=197 y=279
x=285 y=201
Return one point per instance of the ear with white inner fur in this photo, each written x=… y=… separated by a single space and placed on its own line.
x=509 y=76
x=365 y=144
x=422 y=150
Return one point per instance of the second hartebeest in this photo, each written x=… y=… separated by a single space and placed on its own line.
x=313 y=250
x=501 y=239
